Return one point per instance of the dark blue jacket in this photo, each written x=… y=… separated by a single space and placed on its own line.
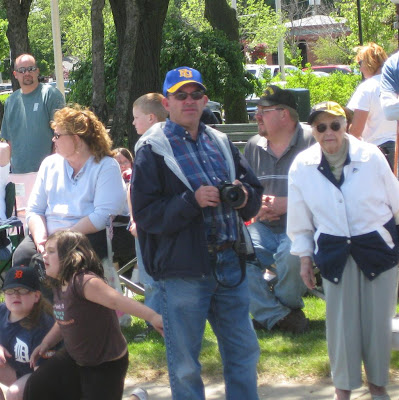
x=169 y=220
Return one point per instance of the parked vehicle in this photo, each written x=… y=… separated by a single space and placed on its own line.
x=67 y=85
x=345 y=69
x=259 y=69
x=5 y=88
x=216 y=108
x=251 y=104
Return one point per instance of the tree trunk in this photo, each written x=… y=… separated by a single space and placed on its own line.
x=126 y=18
x=98 y=75
x=223 y=17
x=17 y=31
x=139 y=40
x=146 y=76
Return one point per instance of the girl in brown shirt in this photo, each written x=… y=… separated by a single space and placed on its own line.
x=95 y=358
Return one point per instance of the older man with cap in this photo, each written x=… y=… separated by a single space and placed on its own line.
x=270 y=154
x=191 y=238
x=343 y=216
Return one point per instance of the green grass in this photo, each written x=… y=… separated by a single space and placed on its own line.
x=283 y=356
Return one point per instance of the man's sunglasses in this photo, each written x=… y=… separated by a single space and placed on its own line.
x=335 y=126
x=22 y=70
x=196 y=95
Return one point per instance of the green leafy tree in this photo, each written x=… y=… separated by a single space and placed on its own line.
x=259 y=23
x=75 y=30
x=377 y=26
x=377 y=22
x=219 y=60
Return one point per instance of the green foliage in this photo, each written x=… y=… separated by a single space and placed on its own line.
x=75 y=30
x=259 y=23
x=330 y=50
x=337 y=87
x=219 y=60
x=4 y=47
x=377 y=26
x=377 y=22
x=82 y=90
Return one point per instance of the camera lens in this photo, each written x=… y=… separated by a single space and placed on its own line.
x=232 y=195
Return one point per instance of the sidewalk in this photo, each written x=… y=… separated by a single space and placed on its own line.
x=288 y=391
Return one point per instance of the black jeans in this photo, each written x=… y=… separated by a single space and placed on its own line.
x=62 y=379
x=388 y=149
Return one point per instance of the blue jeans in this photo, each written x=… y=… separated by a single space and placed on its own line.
x=186 y=305
x=152 y=296
x=273 y=248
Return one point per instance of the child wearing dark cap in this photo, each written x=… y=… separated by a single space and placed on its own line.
x=25 y=319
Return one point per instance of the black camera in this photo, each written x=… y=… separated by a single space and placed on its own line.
x=231 y=194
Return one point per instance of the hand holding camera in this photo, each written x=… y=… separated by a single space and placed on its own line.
x=234 y=194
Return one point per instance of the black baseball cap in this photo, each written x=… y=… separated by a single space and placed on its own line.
x=274 y=95
x=25 y=277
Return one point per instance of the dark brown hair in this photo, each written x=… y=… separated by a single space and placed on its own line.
x=75 y=255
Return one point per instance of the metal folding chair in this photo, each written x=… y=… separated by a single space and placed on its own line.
x=11 y=230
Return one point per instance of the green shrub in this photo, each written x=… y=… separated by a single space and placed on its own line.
x=336 y=87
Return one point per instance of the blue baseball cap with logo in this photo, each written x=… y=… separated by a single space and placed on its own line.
x=176 y=78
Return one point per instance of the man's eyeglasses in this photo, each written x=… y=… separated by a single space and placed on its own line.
x=261 y=112
x=335 y=126
x=20 y=291
x=196 y=95
x=58 y=135
x=22 y=70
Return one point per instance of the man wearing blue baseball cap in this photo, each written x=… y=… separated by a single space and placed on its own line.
x=191 y=191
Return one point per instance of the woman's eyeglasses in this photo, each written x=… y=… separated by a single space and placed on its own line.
x=335 y=126
x=58 y=135
x=22 y=70
x=196 y=95
x=20 y=291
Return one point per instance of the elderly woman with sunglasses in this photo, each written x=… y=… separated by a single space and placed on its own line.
x=77 y=188
x=343 y=211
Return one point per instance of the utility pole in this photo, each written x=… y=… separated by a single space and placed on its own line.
x=359 y=22
x=281 y=60
x=55 y=24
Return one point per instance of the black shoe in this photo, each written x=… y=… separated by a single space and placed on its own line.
x=295 y=322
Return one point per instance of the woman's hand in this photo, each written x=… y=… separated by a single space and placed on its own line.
x=307 y=273
x=4 y=354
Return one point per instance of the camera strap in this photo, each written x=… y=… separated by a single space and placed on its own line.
x=239 y=247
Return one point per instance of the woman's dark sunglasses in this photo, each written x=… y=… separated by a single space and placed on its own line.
x=197 y=95
x=335 y=126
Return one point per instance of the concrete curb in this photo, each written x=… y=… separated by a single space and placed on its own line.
x=286 y=391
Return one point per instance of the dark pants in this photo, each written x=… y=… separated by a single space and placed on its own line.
x=388 y=149
x=62 y=379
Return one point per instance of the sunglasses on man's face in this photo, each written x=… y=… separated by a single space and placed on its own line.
x=335 y=126
x=22 y=70
x=196 y=95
